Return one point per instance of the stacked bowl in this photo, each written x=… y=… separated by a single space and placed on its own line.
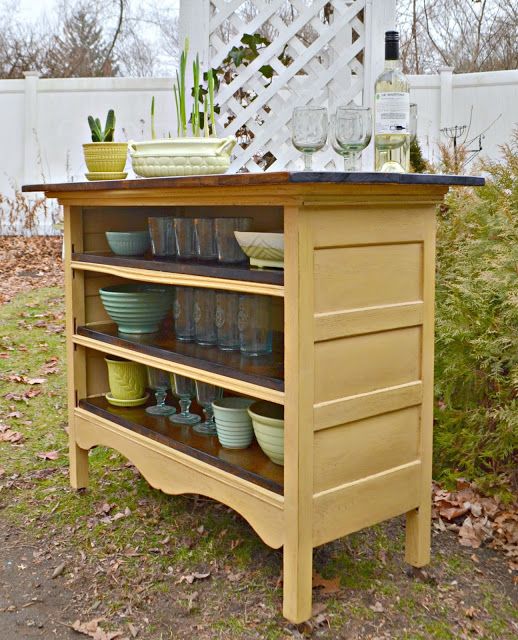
x=137 y=308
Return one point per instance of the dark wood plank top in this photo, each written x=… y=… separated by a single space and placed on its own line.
x=242 y=272
x=265 y=371
x=259 y=179
x=250 y=464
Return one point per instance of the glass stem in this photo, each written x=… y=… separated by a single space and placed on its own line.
x=160 y=395
x=185 y=403
x=348 y=162
x=308 y=161
x=354 y=161
x=209 y=413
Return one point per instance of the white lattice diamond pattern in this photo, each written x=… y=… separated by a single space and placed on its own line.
x=325 y=69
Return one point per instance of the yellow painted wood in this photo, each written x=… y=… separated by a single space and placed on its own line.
x=351 y=507
x=357 y=277
x=298 y=410
x=364 y=405
x=163 y=277
x=338 y=324
x=350 y=366
x=356 y=450
x=417 y=547
x=234 y=384
x=76 y=366
x=174 y=472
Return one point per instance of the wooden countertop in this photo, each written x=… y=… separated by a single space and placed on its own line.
x=260 y=179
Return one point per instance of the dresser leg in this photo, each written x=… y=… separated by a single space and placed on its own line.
x=418 y=535
x=297 y=583
x=78 y=466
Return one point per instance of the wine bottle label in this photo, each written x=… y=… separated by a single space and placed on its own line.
x=392 y=112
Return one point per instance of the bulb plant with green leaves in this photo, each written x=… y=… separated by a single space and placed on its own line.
x=98 y=133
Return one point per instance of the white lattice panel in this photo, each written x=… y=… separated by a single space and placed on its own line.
x=325 y=43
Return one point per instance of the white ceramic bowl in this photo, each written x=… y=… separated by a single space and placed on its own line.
x=268 y=423
x=263 y=249
x=233 y=424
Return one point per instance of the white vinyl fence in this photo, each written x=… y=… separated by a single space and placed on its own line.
x=45 y=120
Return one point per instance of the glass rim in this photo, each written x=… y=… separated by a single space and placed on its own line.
x=355 y=107
x=309 y=107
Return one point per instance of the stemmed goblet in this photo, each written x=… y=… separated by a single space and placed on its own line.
x=309 y=131
x=352 y=133
x=206 y=394
x=183 y=388
x=158 y=380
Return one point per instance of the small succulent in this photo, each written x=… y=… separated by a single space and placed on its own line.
x=98 y=133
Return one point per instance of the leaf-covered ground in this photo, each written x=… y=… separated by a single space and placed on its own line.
x=122 y=560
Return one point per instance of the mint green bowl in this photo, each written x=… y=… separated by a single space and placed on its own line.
x=137 y=308
x=128 y=243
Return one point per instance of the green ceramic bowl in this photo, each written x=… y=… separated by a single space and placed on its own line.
x=268 y=423
x=128 y=243
x=137 y=308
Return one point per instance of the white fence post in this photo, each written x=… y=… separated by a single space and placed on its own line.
x=380 y=17
x=194 y=20
x=446 y=97
x=30 y=128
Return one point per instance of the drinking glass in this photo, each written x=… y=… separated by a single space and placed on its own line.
x=352 y=132
x=255 y=324
x=184 y=389
x=205 y=316
x=183 y=313
x=184 y=237
x=158 y=380
x=206 y=394
x=412 y=128
x=226 y=244
x=227 y=310
x=204 y=239
x=309 y=131
x=161 y=231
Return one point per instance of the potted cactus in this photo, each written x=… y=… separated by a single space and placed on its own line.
x=200 y=153
x=105 y=159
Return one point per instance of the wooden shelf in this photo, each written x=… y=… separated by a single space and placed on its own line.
x=249 y=464
x=195 y=273
x=262 y=371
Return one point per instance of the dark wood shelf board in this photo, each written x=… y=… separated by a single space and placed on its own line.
x=249 y=464
x=260 y=179
x=265 y=371
x=241 y=272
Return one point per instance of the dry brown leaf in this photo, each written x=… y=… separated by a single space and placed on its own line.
x=48 y=455
x=331 y=585
x=32 y=381
x=8 y=435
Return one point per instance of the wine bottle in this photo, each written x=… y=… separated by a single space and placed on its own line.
x=392 y=112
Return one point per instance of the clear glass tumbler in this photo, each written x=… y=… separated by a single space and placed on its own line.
x=161 y=231
x=227 y=246
x=206 y=394
x=205 y=239
x=183 y=313
x=158 y=380
x=255 y=324
x=184 y=237
x=227 y=309
x=205 y=316
x=184 y=389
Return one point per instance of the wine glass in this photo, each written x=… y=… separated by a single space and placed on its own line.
x=183 y=388
x=309 y=131
x=206 y=394
x=352 y=133
x=158 y=380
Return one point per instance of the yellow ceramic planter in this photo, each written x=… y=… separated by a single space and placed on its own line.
x=127 y=379
x=181 y=156
x=105 y=157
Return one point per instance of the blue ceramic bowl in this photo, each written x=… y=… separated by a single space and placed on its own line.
x=128 y=243
x=137 y=308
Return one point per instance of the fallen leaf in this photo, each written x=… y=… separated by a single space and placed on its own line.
x=48 y=455
x=317 y=608
x=2 y=471
x=32 y=381
x=191 y=577
x=93 y=630
x=133 y=630
x=331 y=585
x=470 y=612
x=58 y=570
x=7 y=435
x=377 y=607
